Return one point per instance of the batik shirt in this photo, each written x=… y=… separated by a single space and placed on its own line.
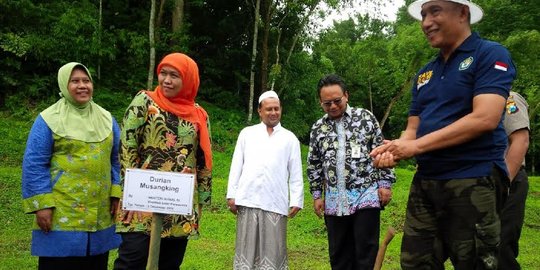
x=155 y=139
x=339 y=164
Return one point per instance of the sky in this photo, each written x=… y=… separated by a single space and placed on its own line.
x=389 y=11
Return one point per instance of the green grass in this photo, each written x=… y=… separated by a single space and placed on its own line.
x=307 y=244
x=215 y=249
x=13 y=136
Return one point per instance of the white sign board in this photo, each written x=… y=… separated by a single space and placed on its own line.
x=159 y=192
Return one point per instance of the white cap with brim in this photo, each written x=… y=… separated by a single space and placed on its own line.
x=415 y=9
x=268 y=94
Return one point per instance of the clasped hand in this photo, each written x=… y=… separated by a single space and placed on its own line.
x=391 y=152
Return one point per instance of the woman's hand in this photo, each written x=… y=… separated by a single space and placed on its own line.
x=114 y=205
x=44 y=219
x=129 y=215
x=187 y=170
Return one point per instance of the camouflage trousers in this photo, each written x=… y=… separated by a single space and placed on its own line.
x=456 y=219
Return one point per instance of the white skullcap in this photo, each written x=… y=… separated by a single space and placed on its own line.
x=268 y=94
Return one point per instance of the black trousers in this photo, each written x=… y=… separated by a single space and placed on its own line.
x=353 y=241
x=512 y=216
x=133 y=252
x=96 y=262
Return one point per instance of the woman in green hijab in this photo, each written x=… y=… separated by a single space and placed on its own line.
x=70 y=178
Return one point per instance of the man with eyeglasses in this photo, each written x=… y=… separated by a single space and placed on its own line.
x=454 y=131
x=346 y=188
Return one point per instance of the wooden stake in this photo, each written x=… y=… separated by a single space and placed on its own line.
x=390 y=233
x=155 y=242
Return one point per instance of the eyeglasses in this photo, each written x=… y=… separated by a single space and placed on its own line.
x=336 y=102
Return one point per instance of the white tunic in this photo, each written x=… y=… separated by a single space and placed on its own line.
x=266 y=170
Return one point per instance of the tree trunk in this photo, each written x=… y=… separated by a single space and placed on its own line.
x=160 y=13
x=401 y=92
x=533 y=110
x=533 y=160
x=152 y=60
x=370 y=93
x=267 y=11
x=2 y=99
x=414 y=65
x=253 y=61
x=158 y=20
x=276 y=65
x=532 y=134
x=100 y=30
x=177 y=19
x=303 y=23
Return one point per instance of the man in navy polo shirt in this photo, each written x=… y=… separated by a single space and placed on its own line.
x=455 y=132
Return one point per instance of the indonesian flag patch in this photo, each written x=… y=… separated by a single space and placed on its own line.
x=501 y=66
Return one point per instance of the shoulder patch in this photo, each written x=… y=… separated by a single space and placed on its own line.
x=511 y=106
x=502 y=66
x=423 y=79
x=465 y=64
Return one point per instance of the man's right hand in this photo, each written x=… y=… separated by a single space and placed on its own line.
x=318 y=206
x=231 y=204
x=44 y=219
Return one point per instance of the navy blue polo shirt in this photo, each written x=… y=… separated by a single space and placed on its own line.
x=443 y=92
